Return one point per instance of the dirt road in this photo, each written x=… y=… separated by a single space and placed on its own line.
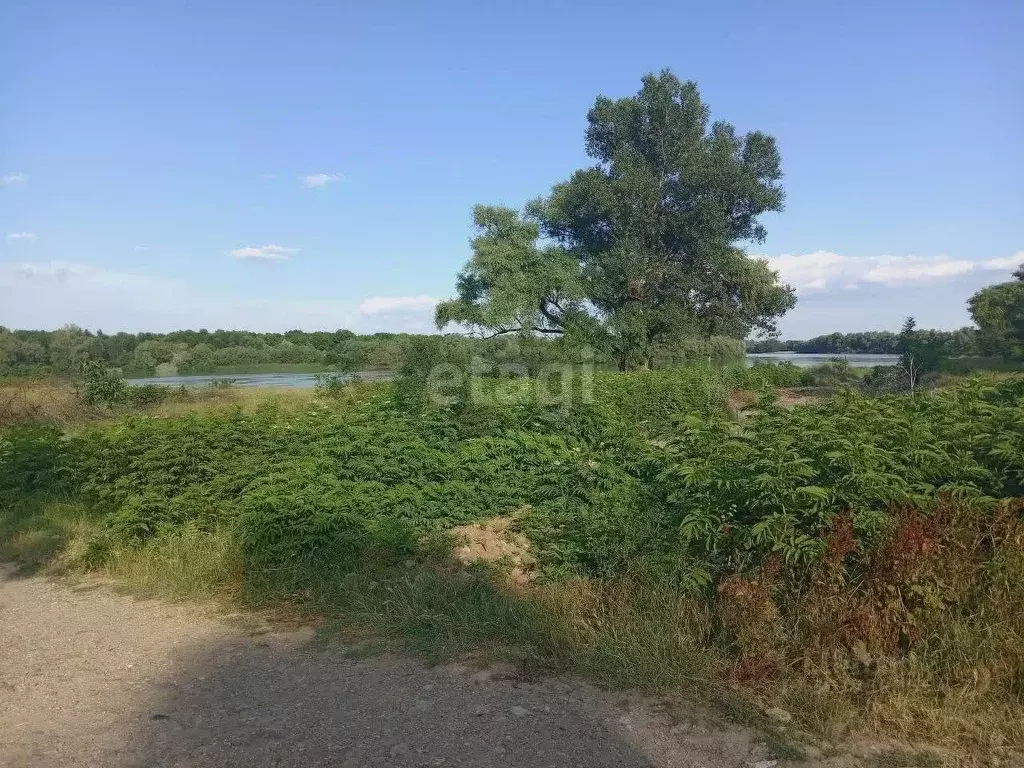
x=89 y=677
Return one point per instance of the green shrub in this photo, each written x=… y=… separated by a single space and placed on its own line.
x=777 y=486
x=330 y=384
x=651 y=402
x=654 y=473
x=144 y=395
x=832 y=373
x=103 y=386
x=763 y=375
x=31 y=459
x=106 y=387
x=885 y=380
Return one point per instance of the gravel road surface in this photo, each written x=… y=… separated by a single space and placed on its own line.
x=90 y=677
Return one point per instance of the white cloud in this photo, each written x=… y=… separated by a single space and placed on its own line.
x=29 y=236
x=264 y=253
x=321 y=180
x=48 y=294
x=33 y=279
x=13 y=178
x=822 y=270
x=809 y=270
x=414 y=314
x=1010 y=263
x=385 y=305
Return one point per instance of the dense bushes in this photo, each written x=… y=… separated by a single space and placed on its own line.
x=779 y=484
x=653 y=472
x=105 y=388
x=839 y=554
x=760 y=376
x=304 y=485
x=31 y=459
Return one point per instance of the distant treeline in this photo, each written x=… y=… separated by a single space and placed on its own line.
x=67 y=349
x=959 y=343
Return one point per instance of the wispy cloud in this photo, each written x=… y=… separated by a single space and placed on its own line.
x=321 y=180
x=13 y=178
x=823 y=270
x=383 y=305
x=48 y=294
x=264 y=253
x=64 y=272
x=27 y=236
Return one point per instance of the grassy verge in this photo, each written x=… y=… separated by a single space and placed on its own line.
x=625 y=633
x=629 y=635
x=41 y=533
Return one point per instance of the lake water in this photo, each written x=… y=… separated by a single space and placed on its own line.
x=308 y=380
x=294 y=380
x=806 y=360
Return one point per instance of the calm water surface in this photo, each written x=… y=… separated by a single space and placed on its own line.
x=308 y=380
x=806 y=360
x=296 y=380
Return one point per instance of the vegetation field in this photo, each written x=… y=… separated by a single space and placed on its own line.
x=857 y=561
x=836 y=555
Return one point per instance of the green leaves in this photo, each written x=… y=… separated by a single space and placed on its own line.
x=998 y=310
x=776 y=486
x=31 y=459
x=642 y=249
x=511 y=284
x=655 y=224
x=653 y=475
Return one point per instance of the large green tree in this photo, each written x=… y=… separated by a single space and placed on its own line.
x=998 y=311
x=15 y=351
x=70 y=348
x=513 y=284
x=643 y=248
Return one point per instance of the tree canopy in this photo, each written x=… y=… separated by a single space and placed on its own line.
x=998 y=311
x=642 y=248
x=954 y=343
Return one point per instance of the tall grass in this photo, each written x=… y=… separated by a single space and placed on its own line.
x=184 y=564
x=39 y=532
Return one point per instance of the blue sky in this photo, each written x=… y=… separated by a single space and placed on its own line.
x=152 y=152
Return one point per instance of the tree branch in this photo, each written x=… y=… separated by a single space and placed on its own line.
x=535 y=329
x=548 y=314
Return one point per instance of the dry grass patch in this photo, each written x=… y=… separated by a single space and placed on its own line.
x=496 y=541
x=43 y=401
x=59 y=402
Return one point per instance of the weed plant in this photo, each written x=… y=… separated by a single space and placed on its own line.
x=860 y=560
